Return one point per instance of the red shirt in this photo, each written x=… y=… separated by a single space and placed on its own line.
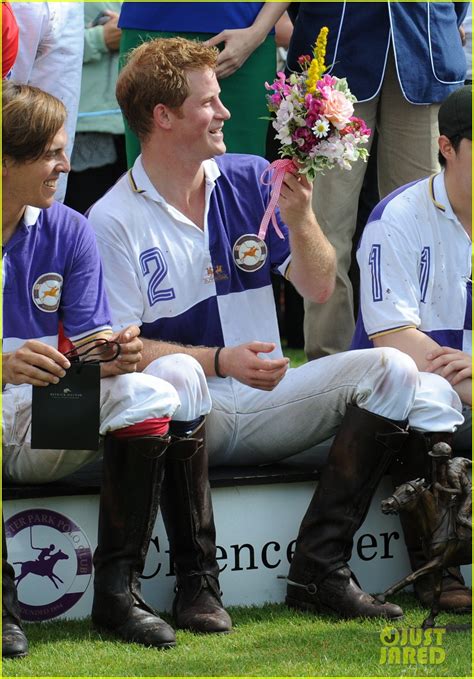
x=9 y=38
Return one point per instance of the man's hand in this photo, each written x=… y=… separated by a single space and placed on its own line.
x=34 y=363
x=112 y=32
x=130 y=355
x=295 y=201
x=239 y=45
x=243 y=364
x=452 y=364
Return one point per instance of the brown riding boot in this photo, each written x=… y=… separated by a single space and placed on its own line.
x=14 y=642
x=132 y=476
x=413 y=463
x=186 y=506
x=320 y=579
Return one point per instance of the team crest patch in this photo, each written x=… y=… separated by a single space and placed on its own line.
x=46 y=291
x=250 y=252
x=52 y=558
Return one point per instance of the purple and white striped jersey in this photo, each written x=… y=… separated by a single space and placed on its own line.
x=51 y=274
x=415 y=268
x=180 y=283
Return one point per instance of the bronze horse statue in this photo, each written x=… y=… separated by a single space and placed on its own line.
x=444 y=508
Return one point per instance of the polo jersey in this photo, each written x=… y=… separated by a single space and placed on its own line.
x=180 y=283
x=188 y=17
x=52 y=273
x=415 y=268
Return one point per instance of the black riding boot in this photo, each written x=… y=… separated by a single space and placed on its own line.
x=320 y=579
x=132 y=476
x=14 y=642
x=413 y=463
x=187 y=513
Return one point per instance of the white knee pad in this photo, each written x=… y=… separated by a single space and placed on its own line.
x=129 y=399
x=401 y=371
x=437 y=406
x=400 y=391
x=394 y=378
x=187 y=377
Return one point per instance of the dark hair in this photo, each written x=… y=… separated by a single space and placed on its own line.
x=455 y=142
x=31 y=119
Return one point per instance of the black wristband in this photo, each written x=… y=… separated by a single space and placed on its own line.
x=216 y=363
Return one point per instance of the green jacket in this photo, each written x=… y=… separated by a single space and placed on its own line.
x=99 y=75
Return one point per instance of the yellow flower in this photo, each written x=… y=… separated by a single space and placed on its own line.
x=317 y=66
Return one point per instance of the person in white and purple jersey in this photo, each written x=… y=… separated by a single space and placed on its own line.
x=183 y=259
x=415 y=272
x=152 y=432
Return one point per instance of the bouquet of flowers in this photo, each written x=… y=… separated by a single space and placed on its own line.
x=314 y=123
x=315 y=120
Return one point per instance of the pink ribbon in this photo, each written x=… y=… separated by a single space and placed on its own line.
x=277 y=169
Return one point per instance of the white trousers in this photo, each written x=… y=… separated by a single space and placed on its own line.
x=172 y=386
x=249 y=426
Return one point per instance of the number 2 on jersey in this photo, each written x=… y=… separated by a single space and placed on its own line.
x=153 y=258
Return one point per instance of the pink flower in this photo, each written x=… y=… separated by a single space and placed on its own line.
x=337 y=109
x=304 y=60
x=325 y=85
x=328 y=80
x=313 y=105
x=279 y=85
x=275 y=99
x=304 y=138
x=360 y=126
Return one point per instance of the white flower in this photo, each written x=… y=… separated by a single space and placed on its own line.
x=331 y=148
x=350 y=152
x=285 y=112
x=284 y=134
x=321 y=128
x=300 y=121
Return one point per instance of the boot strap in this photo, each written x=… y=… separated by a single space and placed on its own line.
x=202 y=575
x=310 y=588
x=183 y=449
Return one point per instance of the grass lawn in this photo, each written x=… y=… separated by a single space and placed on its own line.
x=296 y=356
x=267 y=641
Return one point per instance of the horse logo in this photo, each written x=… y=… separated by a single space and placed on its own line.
x=250 y=252
x=52 y=558
x=41 y=566
x=46 y=291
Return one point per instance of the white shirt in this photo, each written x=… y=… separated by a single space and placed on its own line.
x=415 y=267
x=186 y=284
x=51 y=45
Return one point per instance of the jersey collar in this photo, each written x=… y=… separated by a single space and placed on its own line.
x=439 y=195
x=30 y=216
x=140 y=182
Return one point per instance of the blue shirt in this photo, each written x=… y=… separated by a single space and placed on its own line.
x=188 y=17
x=52 y=273
x=424 y=36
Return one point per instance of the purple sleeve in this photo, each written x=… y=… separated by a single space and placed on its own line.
x=84 y=306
